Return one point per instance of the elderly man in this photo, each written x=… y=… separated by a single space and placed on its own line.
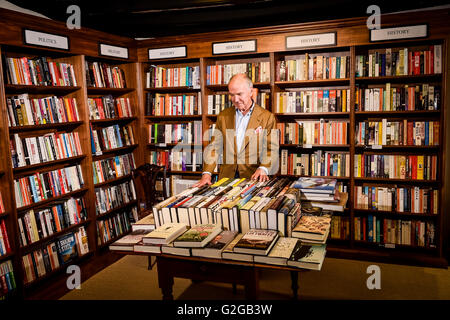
x=245 y=136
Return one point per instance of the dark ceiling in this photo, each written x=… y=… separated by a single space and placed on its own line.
x=143 y=19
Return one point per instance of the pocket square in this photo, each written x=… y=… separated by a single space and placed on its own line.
x=258 y=130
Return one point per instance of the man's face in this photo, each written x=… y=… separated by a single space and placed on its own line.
x=240 y=94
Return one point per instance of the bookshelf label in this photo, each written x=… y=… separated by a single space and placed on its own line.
x=167 y=53
x=311 y=40
x=307 y=146
x=44 y=39
x=377 y=147
x=406 y=32
x=113 y=51
x=234 y=47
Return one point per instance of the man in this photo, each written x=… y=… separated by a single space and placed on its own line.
x=246 y=137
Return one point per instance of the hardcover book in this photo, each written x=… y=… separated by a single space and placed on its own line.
x=198 y=236
x=146 y=223
x=215 y=247
x=312 y=228
x=280 y=252
x=165 y=233
x=228 y=252
x=67 y=248
x=307 y=256
x=127 y=242
x=147 y=248
x=256 y=241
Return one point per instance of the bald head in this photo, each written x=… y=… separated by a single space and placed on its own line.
x=241 y=77
x=240 y=89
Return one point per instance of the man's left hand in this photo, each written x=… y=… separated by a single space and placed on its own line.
x=260 y=175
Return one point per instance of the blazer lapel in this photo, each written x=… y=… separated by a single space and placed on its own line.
x=255 y=122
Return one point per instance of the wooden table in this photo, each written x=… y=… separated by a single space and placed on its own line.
x=215 y=270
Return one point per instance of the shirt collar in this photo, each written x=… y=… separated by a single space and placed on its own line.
x=250 y=111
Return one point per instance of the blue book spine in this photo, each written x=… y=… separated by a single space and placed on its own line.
x=427 y=128
x=370 y=228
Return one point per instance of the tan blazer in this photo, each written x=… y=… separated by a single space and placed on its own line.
x=260 y=133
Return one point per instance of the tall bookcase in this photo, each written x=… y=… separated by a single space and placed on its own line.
x=84 y=46
x=354 y=233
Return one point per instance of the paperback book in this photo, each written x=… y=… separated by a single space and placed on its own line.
x=215 y=247
x=165 y=234
x=256 y=241
x=315 y=228
x=127 y=242
x=198 y=236
x=307 y=256
x=280 y=253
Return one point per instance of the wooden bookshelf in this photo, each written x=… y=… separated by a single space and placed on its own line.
x=352 y=41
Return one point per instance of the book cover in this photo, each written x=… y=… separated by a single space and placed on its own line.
x=67 y=248
x=165 y=233
x=198 y=236
x=127 y=242
x=280 y=253
x=307 y=256
x=318 y=185
x=215 y=247
x=313 y=224
x=256 y=241
x=146 y=223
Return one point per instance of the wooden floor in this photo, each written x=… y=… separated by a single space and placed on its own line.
x=129 y=279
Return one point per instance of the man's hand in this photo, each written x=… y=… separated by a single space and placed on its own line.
x=206 y=179
x=260 y=175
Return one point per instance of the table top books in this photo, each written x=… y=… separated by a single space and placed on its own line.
x=215 y=247
x=126 y=243
x=165 y=233
x=312 y=228
x=256 y=241
x=316 y=185
x=198 y=236
x=280 y=253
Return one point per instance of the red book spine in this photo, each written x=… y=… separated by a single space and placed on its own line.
x=5 y=237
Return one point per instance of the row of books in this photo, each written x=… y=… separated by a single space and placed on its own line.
x=399 y=62
x=313 y=67
x=115 y=225
x=25 y=111
x=306 y=101
x=416 y=167
x=383 y=132
x=163 y=77
x=219 y=101
x=210 y=241
x=111 y=197
x=111 y=168
x=177 y=160
x=49 y=147
x=103 y=75
x=184 y=133
x=108 y=107
x=314 y=132
x=222 y=73
x=405 y=97
x=50 y=257
x=397 y=199
x=39 y=71
x=111 y=137
x=158 y=104
x=42 y=186
x=390 y=232
x=319 y=163
x=37 y=225
x=5 y=246
x=7 y=279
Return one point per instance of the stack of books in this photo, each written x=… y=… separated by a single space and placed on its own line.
x=322 y=192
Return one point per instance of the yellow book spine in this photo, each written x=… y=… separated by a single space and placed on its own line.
x=218 y=183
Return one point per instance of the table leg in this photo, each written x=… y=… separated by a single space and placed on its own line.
x=294 y=284
x=165 y=281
